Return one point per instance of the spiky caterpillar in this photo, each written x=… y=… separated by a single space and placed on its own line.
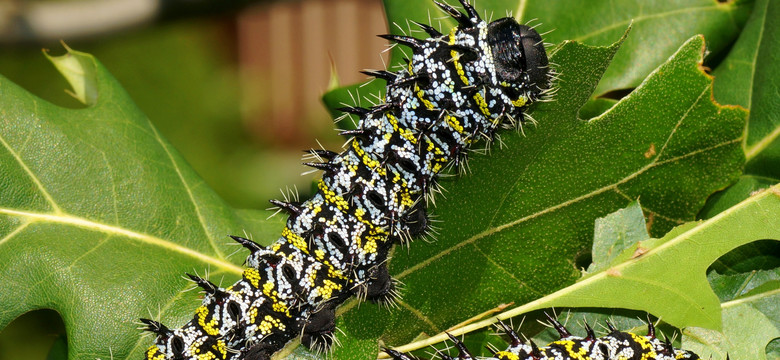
x=457 y=88
x=617 y=345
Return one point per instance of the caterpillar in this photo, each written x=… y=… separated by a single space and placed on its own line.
x=615 y=345
x=457 y=88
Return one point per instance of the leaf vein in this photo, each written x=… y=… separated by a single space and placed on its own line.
x=49 y=275
x=554 y=208
x=508 y=273
x=419 y=315
x=110 y=229
x=187 y=187
x=625 y=23
x=32 y=176
x=682 y=118
x=10 y=235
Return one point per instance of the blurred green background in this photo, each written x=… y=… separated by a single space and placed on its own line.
x=232 y=91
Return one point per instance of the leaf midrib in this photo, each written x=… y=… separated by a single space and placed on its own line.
x=115 y=230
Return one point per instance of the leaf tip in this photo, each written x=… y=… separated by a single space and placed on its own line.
x=78 y=68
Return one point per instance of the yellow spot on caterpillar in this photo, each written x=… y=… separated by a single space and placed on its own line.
x=452 y=36
x=153 y=353
x=506 y=355
x=370 y=246
x=454 y=123
x=521 y=101
x=405 y=133
x=459 y=67
x=268 y=324
x=279 y=307
x=202 y=313
x=483 y=106
x=359 y=213
x=568 y=345
x=648 y=352
x=326 y=291
x=333 y=272
x=268 y=288
x=421 y=95
x=367 y=160
x=295 y=239
x=331 y=196
x=253 y=276
x=219 y=347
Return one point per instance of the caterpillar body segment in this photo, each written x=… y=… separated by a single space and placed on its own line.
x=459 y=87
x=616 y=345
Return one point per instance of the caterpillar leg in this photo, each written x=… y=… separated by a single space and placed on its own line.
x=260 y=351
x=382 y=287
x=319 y=330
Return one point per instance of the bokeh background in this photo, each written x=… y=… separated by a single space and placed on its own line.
x=235 y=86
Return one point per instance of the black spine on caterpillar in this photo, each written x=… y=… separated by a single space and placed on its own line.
x=613 y=346
x=456 y=89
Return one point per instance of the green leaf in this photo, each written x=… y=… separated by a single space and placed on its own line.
x=517 y=223
x=78 y=72
x=750 y=323
x=659 y=28
x=753 y=256
x=651 y=281
x=741 y=190
x=615 y=233
x=749 y=77
x=730 y=287
x=100 y=217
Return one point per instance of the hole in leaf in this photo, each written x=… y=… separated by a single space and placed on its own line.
x=37 y=334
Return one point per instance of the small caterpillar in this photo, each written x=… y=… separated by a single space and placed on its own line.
x=456 y=89
x=617 y=345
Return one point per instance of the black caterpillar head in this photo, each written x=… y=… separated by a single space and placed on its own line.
x=520 y=58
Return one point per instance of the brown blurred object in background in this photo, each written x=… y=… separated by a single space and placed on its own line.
x=285 y=54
